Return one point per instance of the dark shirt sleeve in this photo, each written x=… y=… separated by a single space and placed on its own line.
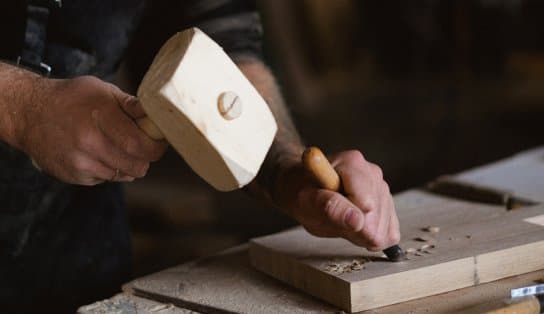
x=233 y=24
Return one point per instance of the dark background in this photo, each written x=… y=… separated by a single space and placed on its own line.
x=422 y=88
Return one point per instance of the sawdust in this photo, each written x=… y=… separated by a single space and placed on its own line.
x=340 y=267
x=432 y=229
x=426 y=248
x=424 y=238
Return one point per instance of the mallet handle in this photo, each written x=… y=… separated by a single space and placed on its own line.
x=150 y=128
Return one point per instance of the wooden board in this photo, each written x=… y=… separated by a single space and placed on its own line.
x=521 y=174
x=477 y=244
x=224 y=283
x=246 y=286
x=461 y=301
x=124 y=303
x=184 y=94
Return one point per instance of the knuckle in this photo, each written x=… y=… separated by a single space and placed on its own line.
x=355 y=155
x=378 y=172
x=80 y=163
x=368 y=204
x=332 y=207
x=87 y=140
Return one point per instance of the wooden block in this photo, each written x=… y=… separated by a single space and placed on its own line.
x=236 y=287
x=225 y=283
x=208 y=111
x=521 y=174
x=476 y=244
x=128 y=304
x=463 y=300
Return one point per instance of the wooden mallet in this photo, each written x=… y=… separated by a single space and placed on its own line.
x=323 y=173
x=197 y=99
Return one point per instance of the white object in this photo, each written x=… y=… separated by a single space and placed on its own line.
x=182 y=94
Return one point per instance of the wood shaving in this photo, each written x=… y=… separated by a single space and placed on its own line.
x=410 y=250
x=424 y=238
x=432 y=229
x=346 y=267
x=424 y=247
x=418 y=254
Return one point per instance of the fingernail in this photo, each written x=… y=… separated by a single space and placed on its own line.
x=353 y=219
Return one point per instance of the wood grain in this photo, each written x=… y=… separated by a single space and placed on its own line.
x=201 y=285
x=477 y=243
x=224 y=283
x=129 y=304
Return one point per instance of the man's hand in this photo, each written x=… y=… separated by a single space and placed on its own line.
x=82 y=131
x=364 y=214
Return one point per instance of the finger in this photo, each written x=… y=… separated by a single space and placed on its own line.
x=126 y=178
x=127 y=136
x=132 y=106
x=359 y=187
x=89 y=171
x=128 y=103
x=384 y=235
x=394 y=227
x=119 y=177
x=338 y=209
x=103 y=149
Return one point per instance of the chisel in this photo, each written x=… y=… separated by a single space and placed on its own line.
x=317 y=165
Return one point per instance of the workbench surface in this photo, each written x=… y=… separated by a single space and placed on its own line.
x=226 y=283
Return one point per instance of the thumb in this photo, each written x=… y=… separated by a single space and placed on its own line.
x=338 y=209
x=128 y=103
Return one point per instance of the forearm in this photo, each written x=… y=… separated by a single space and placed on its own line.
x=287 y=147
x=17 y=88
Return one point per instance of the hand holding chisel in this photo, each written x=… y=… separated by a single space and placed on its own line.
x=317 y=165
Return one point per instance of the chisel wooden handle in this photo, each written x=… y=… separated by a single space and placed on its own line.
x=319 y=167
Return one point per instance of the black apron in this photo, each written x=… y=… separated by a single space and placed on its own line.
x=62 y=245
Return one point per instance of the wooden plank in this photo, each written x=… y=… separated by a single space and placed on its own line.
x=232 y=266
x=460 y=301
x=477 y=243
x=521 y=174
x=124 y=303
x=225 y=283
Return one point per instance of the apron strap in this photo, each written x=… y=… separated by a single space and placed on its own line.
x=35 y=37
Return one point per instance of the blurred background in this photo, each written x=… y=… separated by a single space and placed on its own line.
x=422 y=88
